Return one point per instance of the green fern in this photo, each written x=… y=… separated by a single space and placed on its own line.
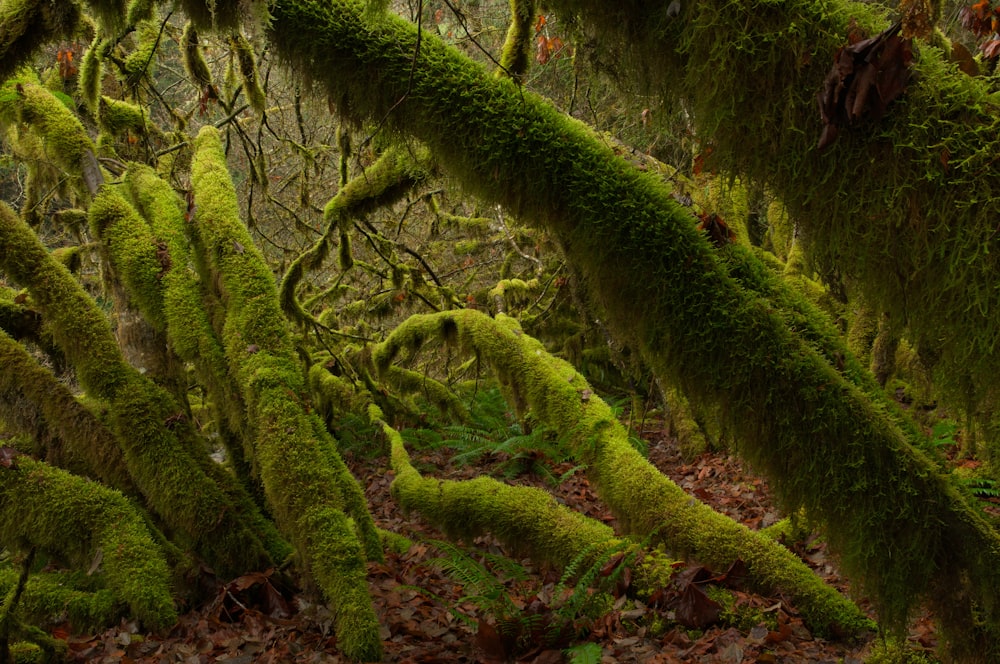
x=982 y=487
x=584 y=653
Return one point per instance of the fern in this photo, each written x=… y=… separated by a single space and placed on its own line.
x=584 y=653
x=982 y=487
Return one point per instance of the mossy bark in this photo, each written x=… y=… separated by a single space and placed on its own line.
x=645 y=501
x=33 y=401
x=888 y=511
x=74 y=519
x=527 y=520
x=307 y=485
x=164 y=466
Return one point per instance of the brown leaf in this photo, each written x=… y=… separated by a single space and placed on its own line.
x=696 y=610
x=490 y=642
x=865 y=78
x=782 y=633
x=7 y=456
x=961 y=56
x=737 y=574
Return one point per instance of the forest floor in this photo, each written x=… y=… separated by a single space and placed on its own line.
x=255 y=619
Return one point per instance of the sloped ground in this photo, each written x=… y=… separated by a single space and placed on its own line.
x=255 y=619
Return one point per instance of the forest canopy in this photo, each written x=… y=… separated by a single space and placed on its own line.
x=243 y=242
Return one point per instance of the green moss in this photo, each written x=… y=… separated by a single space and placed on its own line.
x=73 y=518
x=133 y=251
x=646 y=502
x=189 y=329
x=158 y=460
x=65 y=141
x=53 y=598
x=139 y=11
x=248 y=71
x=194 y=62
x=117 y=117
x=739 y=616
x=140 y=62
x=33 y=401
x=516 y=54
x=306 y=483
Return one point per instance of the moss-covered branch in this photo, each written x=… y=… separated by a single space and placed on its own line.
x=395 y=172
x=891 y=515
x=306 y=482
x=527 y=520
x=905 y=206
x=34 y=402
x=162 y=465
x=645 y=501
x=77 y=520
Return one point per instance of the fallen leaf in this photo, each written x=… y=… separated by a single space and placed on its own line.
x=696 y=610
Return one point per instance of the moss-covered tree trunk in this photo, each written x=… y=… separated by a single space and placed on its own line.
x=895 y=520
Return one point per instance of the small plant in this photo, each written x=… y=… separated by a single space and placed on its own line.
x=522 y=625
x=584 y=653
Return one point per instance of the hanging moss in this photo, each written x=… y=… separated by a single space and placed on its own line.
x=88 y=81
x=141 y=61
x=44 y=507
x=248 y=71
x=306 y=483
x=27 y=25
x=194 y=62
x=139 y=11
x=516 y=54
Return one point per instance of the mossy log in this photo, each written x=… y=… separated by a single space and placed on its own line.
x=645 y=502
x=527 y=520
x=888 y=511
x=76 y=520
x=307 y=484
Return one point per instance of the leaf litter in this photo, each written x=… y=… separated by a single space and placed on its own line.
x=262 y=618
